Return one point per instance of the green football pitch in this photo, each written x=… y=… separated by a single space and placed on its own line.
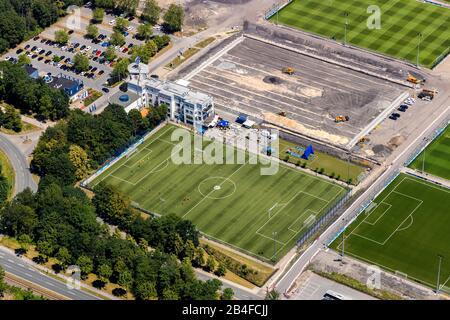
x=263 y=215
x=398 y=35
x=404 y=230
x=435 y=159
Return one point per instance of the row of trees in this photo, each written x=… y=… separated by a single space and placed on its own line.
x=69 y=150
x=10 y=118
x=61 y=222
x=29 y=95
x=173 y=17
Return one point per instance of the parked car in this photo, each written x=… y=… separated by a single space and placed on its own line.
x=34 y=56
x=106 y=90
x=48 y=53
x=36 y=38
x=40 y=58
x=101 y=72
x=43 y=40
x=20 y=50
x=34 y=48
x=112 y=22
x=27 y=46
x=42 y=51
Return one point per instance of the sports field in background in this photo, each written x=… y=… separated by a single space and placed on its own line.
x=234 y=203
x=401 y=23
x=404 y=230
x=435 y=159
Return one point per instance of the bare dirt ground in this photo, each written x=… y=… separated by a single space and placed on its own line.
x=249 y=78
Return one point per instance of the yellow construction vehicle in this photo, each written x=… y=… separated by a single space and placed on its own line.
x=288 y=70
x=414 y=80
x=341 y=119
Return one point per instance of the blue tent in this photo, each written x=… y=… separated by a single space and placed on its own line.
x=309 y=151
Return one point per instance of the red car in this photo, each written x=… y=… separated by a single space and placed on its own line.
x=125 y=50
x=98 y=53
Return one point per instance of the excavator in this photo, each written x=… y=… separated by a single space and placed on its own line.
x=288 y=70
x=341 y=119
x=414 y=80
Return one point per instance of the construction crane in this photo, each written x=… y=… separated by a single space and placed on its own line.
x=341 y=119
x=288 y=70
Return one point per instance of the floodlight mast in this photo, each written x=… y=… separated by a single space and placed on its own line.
x=439 y=273
x=345 y=28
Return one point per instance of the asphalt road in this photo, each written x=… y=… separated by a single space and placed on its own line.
x=19 y=267
x=428 y=127
x=20 y=165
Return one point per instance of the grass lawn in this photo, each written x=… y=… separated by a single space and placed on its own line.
x=401 y=22
x=7 y=171
x=262 y=215
x=319 y=160
x=435 y=159
x=405 y=229
x=180 y=59
x=93 y=96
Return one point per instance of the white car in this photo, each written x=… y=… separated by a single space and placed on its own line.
x=157 y=27
x=30 y=55
x=112 y=22
x=38 y=49
x=130 y=28
x=64 y=48
x=88 y=48
x=7 y=58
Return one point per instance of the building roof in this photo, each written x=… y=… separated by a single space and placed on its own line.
x=177 y=89
x=63 y=83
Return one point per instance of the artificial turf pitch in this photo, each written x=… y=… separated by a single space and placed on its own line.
x=398 y=36
x=435 y=159
x=233 y=203
x=404 y=231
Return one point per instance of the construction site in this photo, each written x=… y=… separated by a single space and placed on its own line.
x=309 y=91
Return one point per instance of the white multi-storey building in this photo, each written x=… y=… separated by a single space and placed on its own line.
x=184 y=104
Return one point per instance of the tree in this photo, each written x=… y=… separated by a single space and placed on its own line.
x=104 y=272
x=64 y=256
x=221 y=270
x=80 y=161
x=80 y=62
x=110 y=53
x=92 y=31
x=86 y=265
x=98 y=15
x=173 y=18
x=10 y=118
x=139 y=123
x=227 y=294
x=146 y=291
x=144 y=31
x=145 y=52
x=161 y=41
x=121 y=24
x=151 y=12
x=211 y=264
x=111 y=205
x=3 y=285
x=120 y=70
x=199 y=258
x=61 y=37
x=23 y=59
x=272 y=295
x=18 y=219
x=4 y=189
x=117 y=39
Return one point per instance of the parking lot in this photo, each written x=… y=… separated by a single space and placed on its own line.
x=249 y=78
x=42 y=49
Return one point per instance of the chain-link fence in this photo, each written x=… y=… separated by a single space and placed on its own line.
x=275 y=9
x=427 y=140
x=333 y=212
